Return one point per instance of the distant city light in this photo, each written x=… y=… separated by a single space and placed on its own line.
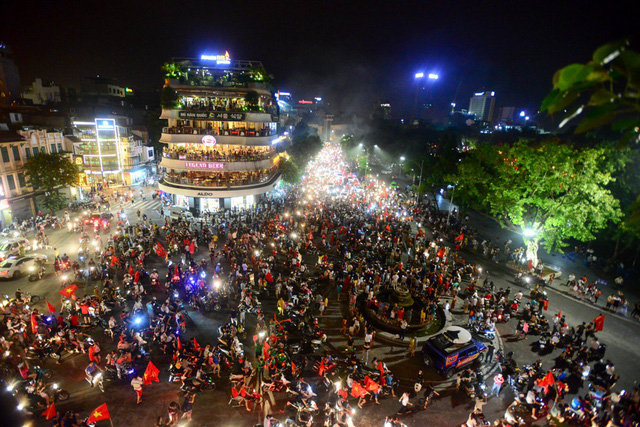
x=433 y=76
x=317 y=98
x=522 y=114
x=419 y=75
x=526 y=118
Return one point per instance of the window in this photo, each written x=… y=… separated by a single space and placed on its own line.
x=53 y=148
x=5 y=154
x=36 y=151
x=60 y=150
x=21 y=180
x=12 y=182
x=16 y=153
x=27 y=152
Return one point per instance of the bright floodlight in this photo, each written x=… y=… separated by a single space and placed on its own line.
x=402 y=158
x=529 y=232
x=419 y=75
x=433 y=76
x=522 y=114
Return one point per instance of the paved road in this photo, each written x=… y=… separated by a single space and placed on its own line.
x=211 y=408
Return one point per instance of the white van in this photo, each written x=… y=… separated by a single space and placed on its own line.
x=178 y=212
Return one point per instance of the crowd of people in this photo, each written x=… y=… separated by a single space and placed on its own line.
x=271 y=273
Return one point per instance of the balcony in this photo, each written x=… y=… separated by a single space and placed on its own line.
x=236 y=190
x=220 y=139
x=243 y=116
x=212 y=166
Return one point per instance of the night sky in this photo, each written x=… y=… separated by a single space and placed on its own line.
x=350 y=53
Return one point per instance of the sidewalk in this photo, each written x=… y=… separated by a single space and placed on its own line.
x=490 y=230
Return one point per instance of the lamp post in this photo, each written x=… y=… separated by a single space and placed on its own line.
x=451 y=205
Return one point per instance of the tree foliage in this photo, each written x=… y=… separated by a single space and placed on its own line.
x=290 y=171
x=605 y=91
x=54 y=201
x=552 y=190
x=304 y=145
x=49 y=171
x=168 y=97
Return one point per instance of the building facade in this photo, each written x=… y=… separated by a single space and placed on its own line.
x=221 y=134
x=109 y=153
x=17 y=198
x=482 y=104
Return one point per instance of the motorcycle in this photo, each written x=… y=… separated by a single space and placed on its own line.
x=36 y=274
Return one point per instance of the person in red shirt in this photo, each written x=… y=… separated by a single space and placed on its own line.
x=94 y=353
x=84 y=309
x=74 y=320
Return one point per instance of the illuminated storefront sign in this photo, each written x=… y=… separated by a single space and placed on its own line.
x=213 y=115
x=105 y=124
x=302 y=101
x=198 y=165
x=209 y=141
x=220 y=59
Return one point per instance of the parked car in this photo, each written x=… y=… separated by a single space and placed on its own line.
x=15 y=266
x=12 y=247
x=451 y=349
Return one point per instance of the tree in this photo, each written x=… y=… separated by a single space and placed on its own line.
x=168 y=98
x=252 y=98
x=552 y=191
x=602 y=92
x=49 y=172
x=303 y=145
x=290 y=171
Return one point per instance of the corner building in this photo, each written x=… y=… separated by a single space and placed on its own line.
x=221 y=133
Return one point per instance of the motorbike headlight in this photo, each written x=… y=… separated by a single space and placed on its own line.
x=55 y=386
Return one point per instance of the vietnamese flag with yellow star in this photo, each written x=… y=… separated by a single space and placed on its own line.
x=68 y=291
x=151 y=374
x=99 y=414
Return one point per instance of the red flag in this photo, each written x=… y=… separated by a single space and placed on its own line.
x=34 y=324
x=599 y=322
x=545 y=305
x=114 y=261
x=321 y=368
x=50 y=412
x=460 y=238
x=559 y=314
x=357 y=390
x=547 y=381
x=179 y=344
x=195 y=345
x=371 y=385
x=265 y=350
x=51 y=308
x=269 y=277
x=293 y=368
x=343 y=393
x=243 y=392
x=441 y=253
x=151 y=374
x=381 y=368
x=99 y=414
x=68 y=291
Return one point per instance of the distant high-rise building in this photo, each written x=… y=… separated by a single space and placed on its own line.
x=506 y=114
x=10 y=86
x=482 y=105
x=382 y=111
